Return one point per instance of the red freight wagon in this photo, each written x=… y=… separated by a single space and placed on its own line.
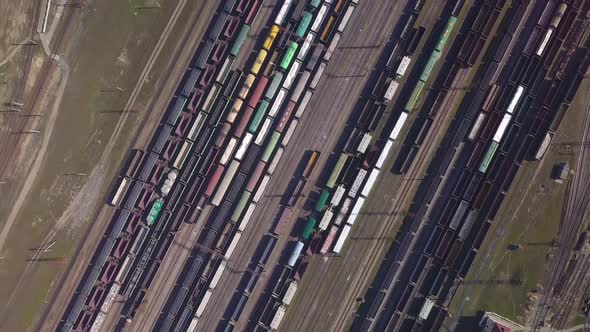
x=257 y=94
x=214 y=180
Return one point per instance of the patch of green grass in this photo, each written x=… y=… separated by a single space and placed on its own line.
x=532 y=225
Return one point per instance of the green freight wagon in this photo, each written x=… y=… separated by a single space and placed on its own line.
x=309 y=226
x=241 y=205
x=303 y=24
x=429 y=65
x=239 y=41
x=320 y=205
x=485 y=163
x=288 y=56
x=258 y=116
x=274 y=139
x=336 y=171
x=273 y=86
x=445 y=36
x=414 y=96
x=315 y=3
x=155 y=211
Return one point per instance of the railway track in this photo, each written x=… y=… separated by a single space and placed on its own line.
x=576 y=206
x=133 y=142
x=572 y=219
x=12 y=146
x=20 y=91
x=560 y=318
x=444 y=113
x=164 y=292
x=10 y=139
x=405 y=185
x=317 y=135
x=322 y=269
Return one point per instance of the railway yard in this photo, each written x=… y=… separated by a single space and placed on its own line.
x=309 y=165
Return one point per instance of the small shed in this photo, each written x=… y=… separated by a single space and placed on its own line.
x=560 y=172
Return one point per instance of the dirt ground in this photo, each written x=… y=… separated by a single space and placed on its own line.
x=53 y=186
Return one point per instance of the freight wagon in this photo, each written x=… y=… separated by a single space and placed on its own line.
x=341 y=239
x=337 y=170
x=329 y=240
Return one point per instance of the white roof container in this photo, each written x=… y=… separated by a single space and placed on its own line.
x=391 y=89
x=218 y=274
x=276 y=105
x=300 y=87
x=232 y=246
x=319 y=18
x=303 y=104
x=305 y=47
x=515 y=99
x=545 y=41
x=325 y=222
x=398 y=126
x=246 y=218
x=244 y=146
x=318 y=75
x=278 y=317
x=356 y=210
x=210 y=98
x=476 y=126
x=384 y=154
x=261 y=188
x=332 y=47
x=98 y=321
x=290 y=293
x=124 y=269
x=229 y=149
x=292 y=74
x=203 y=304
x=120 y=190
x=370 y=182
x=357 y=183
x=289 y=133
x=225 y=181
x=502 y=128
x=184 y=151
x=275 y=160
x=426 y=307
x=338 y=194
x=403 y=66
x=283 y=12
x=263 y=131
x=346 y=18
x=193 y=325
x=196 y=127
x=295 y=253
x=364 y=143
x=106 y=305
x=341 y=239
x=224 y=70
x=544 y=145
